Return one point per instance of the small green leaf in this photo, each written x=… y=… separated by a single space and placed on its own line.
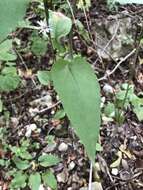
x=47 y=160
x=19 y=181
x=99 y=147
x=84 y=4
x=9 y=82
x=2 y=162
x=109 y=110
x=21 y=164
x=44 y=77
x=50 y=180
x=138 y=110
x=11 y=13
x=6 y=53
x=35 y=181
x=59 y=24
x=79 y=92
x=39 y=46
x=129 y=1
x=9 y=70
x=59 y=114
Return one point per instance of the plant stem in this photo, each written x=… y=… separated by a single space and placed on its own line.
x=124 y=101
x=46 y=7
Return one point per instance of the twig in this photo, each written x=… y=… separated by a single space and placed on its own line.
x=114 y=35
x=48 y=108
x=90 y=177
x=23 y=62
x=116 y=67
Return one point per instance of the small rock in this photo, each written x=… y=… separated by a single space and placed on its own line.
x=33 y=111
x=41 y=187
x=115 y=171
x=29 y=129
x=14 y=121
x=50 y=147
x=62 y=177
x=71 y=166
x=108 y=89
x=94 y=186
x=63 y=147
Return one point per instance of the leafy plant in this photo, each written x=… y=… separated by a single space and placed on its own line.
x=11 y=13
x=73 y=79
x=125 y=98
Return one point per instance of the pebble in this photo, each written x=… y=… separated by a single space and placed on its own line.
x=108 y=89
x=115 y=171
x=62 y=177
x=71 y=166
x=50 y=147
x=63 y=147
x=94 y=186
x=29 y=129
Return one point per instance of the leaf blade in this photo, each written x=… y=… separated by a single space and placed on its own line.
x=82 y=106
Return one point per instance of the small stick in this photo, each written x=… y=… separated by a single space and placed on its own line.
x=116 y=67
x=90 y=177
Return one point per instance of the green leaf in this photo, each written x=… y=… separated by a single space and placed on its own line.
x=19 y=181
x=49 y=180
x=59 y=114
x=2 y=162
x=47 y=160
x=44 y=77
x=35 y=181
x=99 y=147
x=11 y=13
x=84 y=4
x=9 y=82
x=109 y=110
x=39 y=46
x=138 y=110
x=21 y=164
x=79 y=92
x=129 y=1
x=59 y=24
x=5 y=51
x=9 y=70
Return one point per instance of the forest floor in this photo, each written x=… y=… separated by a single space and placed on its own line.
x=33 y=111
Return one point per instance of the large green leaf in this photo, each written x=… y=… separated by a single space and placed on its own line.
x=79 y=91
x=11 y=13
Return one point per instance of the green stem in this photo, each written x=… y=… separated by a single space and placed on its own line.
x=47 y=6
x=124 y=101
